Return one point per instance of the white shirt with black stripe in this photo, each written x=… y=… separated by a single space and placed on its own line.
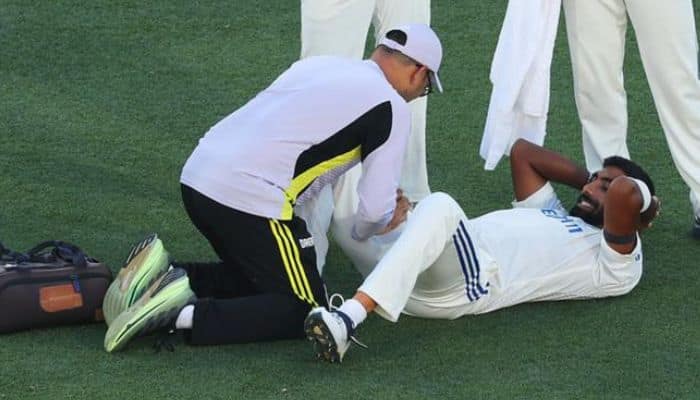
x=319 y=118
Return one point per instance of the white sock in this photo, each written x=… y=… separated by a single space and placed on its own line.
x=354 y=309
x=184 y=319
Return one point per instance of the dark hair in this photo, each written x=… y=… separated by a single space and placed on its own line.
x=630 y=169
x=397 y=36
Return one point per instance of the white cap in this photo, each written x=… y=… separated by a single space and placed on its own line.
x=422 y=45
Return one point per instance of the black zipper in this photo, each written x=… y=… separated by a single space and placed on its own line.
x=72 y=278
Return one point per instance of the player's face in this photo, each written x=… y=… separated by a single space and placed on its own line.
x=589 y=205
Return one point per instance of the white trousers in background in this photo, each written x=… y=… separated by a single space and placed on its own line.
x=339 y=27
x=668 y=45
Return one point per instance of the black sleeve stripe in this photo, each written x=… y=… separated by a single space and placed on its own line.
x=369 y=131
x=378 y=121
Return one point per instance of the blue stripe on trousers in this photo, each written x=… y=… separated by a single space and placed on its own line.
x=469 y=263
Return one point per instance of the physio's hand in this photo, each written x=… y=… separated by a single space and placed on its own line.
x=400 y=212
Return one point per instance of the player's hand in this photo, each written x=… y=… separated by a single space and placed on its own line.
x=647 y=217
x=400 y=212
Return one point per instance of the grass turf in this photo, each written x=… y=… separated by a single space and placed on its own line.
x=103 y=101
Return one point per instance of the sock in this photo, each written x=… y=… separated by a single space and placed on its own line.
x=354 y=309
x=184 y=319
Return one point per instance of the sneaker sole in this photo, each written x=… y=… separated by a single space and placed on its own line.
x=145 y=263
x=324 y=345
x=164 y=305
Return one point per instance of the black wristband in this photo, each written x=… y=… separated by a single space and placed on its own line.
x=619 y=239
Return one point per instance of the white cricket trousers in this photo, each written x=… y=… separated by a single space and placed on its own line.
x=339 y=27
x=668 y=45
x=426 y=235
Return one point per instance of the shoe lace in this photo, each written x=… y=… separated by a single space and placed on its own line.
x=356 y=341
x=351 y=329
x=335 y=296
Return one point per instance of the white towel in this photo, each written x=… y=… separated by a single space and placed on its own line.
x=520 y=78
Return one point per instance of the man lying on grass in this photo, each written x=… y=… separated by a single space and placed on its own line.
x=444 y=265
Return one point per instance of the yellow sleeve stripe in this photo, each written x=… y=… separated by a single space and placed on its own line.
x=292 y=262
x=304 y=179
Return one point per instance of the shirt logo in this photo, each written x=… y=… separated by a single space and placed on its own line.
x=568 y=222
x=306 y=242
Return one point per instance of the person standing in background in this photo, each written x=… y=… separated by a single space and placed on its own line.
x=668 y=44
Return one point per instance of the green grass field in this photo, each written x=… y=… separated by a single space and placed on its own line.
x=100 y=104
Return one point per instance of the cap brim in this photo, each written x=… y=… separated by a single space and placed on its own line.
x=435 y=81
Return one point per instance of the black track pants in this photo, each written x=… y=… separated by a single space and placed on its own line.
x=266 y=282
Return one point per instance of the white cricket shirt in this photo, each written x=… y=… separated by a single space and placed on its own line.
x=532 y=252
x=319 y=118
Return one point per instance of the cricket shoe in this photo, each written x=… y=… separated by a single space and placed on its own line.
x=331 y=333
x=156 y=310
x=146 y=262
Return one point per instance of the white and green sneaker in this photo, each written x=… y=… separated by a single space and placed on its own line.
x=146 y=262
x=156 y=310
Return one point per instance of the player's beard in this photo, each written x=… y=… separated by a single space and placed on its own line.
x=592 y=217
